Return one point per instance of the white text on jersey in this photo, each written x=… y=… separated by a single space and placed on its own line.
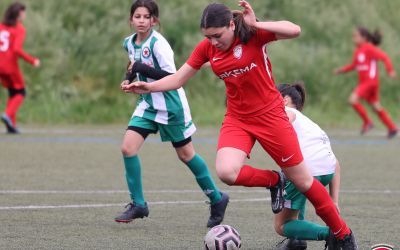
x=237 y=72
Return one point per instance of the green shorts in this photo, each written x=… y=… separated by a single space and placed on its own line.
x=296 y=200
x=172 y=133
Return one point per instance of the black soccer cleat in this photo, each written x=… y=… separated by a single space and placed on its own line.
x=134 y=211
x=217 y=211
x=292 y=244
x=331 y=242
x=392 y=133
x=349 y=242
x=366 y=128
x=277 y=201
x=10 y=127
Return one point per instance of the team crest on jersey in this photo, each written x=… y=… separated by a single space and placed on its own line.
x=146 y=52
x=361 y=57
x=237 y=51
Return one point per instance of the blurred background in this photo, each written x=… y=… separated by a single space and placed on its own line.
x=80 y=45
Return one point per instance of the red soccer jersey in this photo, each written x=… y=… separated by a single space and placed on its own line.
x=365 y=62
x=11 y=48
x=246 y=71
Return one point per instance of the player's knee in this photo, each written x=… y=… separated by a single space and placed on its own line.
x=377 y=106
x=279 y=228
x=128 y=150
x=185 y=156
x=303 y=184
x=226 y=173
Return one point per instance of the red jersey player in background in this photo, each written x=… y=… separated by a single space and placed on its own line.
x=236 y=47
x=365 y=61
x=12 y=36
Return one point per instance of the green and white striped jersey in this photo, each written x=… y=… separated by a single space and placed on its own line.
x=170 y=107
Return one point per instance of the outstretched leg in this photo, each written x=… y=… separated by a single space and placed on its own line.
x=131 y=144
x=355 y=103
x=199 y=168
x=385 y=118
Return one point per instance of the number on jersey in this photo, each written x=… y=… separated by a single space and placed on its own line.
x=4 y=40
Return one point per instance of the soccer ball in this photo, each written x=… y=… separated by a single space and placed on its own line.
x=222 y=237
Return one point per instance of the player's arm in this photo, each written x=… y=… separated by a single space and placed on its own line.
x=346 y=68
x=380 y=55
x=281 y=29
x=146 y=71
x=334 y=186
x=18 y=48
x=167 y=83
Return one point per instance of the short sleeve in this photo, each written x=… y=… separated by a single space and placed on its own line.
x=125 y=44
x=164 y=56
x=264 y=36
x=199 y=55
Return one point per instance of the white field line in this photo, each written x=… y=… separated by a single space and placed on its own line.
x=175 y=191
x=37 y=207
x=119 y=130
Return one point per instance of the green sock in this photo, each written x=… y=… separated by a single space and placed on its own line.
x=200 y=170
x=134 y=179
x=302 y=212
x=305 y=230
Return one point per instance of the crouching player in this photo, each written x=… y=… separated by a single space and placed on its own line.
x=322 y=164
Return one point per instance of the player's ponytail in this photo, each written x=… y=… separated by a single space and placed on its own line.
x=242 y=29
x=12 y=13
x=375 y=38
x=218 y=15
x=295 y=91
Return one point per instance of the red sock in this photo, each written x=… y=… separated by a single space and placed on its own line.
x=13 y=105
x=253 y=177
x=362 y=112
x=325 y=209
x=385 y=118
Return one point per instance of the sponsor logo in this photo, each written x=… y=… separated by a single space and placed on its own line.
x=363 y=67
x=237 y=51
x=237 y=72
x=208 y=191
x=361 y=57
x=382 y=247
x=216 y=59
x=146 y=52
x=288 y=158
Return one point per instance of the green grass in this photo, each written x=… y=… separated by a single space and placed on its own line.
x=87 y=158
x=79 y=43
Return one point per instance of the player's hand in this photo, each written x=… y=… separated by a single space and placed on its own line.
x=36 y=63
x=392 y=74
x=248 y=13
x=337 y=71
x=123 y=83
x=137 y=87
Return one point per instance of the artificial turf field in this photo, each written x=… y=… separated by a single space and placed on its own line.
x=60 y=188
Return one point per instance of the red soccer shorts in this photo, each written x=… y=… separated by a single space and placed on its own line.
x=368 y=92
x=272 y=130
x=12 y=81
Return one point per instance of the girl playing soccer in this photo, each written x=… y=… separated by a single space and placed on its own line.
x=365 y=59
x=322 y=163
x=235 y=45
x=12 y=36
x=168 y=112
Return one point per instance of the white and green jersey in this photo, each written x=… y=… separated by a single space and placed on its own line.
x=170 y=107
